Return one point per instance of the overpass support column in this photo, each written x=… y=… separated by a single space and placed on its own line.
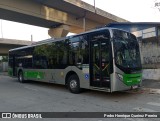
x=58 y=32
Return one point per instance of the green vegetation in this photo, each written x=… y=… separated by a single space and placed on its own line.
x=4 y=59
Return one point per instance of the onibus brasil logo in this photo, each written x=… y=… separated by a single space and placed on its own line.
x=157 y=4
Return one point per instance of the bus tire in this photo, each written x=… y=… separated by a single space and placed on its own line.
x=74 y=84
x=21 y=77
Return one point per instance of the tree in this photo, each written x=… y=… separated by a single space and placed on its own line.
x=4 y=59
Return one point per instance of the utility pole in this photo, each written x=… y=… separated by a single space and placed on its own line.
x=84 y=21
x=31 y=38
x=1 y=29
x=95 y=6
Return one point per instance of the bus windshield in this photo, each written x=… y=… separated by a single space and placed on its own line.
x=126 y=49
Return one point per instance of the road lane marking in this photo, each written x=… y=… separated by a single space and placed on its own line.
x=143 y=109
x=153 y=103
x=152 y=91
x=136 y=119
x=130 y=119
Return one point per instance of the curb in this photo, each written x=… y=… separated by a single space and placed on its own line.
x=4 y=73
x=152 y=91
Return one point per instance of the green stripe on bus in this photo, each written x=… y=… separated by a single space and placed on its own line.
x=132 y=79
x=10 y=71
x=34 y=74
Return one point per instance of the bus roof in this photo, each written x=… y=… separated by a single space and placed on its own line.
x=132 y=23
x=59 y=39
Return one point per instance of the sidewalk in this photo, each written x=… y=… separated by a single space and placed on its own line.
x=151 y=86
x=148 y=83
x=4 y=73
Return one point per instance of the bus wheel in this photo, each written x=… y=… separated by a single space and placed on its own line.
x=20 y=77
x=73 y=84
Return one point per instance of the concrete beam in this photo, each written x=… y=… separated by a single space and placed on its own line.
x=92 y=13
x=51 y=14
x=58 y=32
x=31 y=9
x=14 y=42
x=4 y=50
x=7 y=44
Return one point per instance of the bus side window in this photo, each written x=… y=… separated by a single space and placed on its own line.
x=84 y=49
x=74 y=51
x=40 y=62
x=79 y=50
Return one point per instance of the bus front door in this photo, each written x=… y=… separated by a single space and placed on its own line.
x=99 y=63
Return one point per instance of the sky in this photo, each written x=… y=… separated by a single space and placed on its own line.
x=14 y=30
x=131 y=10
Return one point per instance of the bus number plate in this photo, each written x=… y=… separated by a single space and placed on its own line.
x=134 y=87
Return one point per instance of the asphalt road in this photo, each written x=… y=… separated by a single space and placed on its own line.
x=44 y=97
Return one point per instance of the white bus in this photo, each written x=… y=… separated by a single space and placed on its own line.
x=105 y=59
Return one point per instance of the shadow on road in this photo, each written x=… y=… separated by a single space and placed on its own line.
x=86 y=92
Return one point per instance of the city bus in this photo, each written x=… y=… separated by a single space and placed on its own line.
x=104 y=59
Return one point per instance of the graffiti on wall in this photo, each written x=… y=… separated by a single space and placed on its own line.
x=150 y=53
x=151 y=60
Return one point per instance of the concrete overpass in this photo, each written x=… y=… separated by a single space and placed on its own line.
x=7 y=44
x=61 y=16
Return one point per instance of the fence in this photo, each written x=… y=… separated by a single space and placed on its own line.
x=3 y=66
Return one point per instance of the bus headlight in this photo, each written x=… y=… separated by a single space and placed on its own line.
x=139 y=80
x=120 y=76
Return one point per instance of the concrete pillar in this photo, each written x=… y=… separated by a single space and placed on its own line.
x=58 y=32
